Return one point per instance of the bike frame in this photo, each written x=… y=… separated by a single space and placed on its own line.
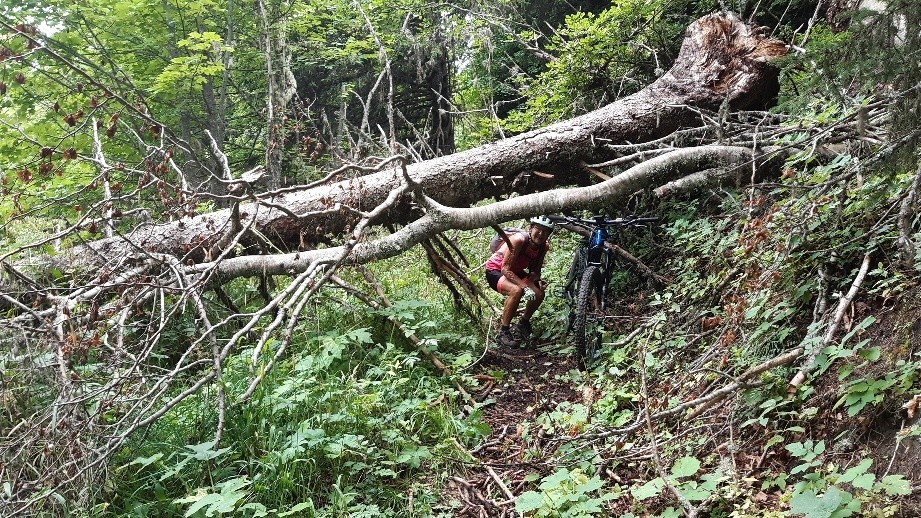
x=593 y=252
x=593 y=249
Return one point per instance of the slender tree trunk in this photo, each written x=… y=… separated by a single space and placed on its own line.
x=281 y=89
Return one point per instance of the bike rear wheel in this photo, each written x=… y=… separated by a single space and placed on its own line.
x=589 y=316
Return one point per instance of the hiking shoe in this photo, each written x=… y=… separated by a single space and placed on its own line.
x=523 y=329
x=505 y=338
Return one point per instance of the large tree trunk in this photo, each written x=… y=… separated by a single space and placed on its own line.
x=723 y=63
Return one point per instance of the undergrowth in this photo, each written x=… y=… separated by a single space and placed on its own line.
x=352 y=423
x=756 y=273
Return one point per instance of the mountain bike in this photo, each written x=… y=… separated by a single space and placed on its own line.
x=586 y=288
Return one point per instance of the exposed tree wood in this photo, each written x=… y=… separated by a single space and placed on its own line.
x=440 y=218
x=723 y=62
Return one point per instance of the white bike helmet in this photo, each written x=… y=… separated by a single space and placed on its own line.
x=543 y=221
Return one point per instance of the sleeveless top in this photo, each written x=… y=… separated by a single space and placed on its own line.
x=524 y=258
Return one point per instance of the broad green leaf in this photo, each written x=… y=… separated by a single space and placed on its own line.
x=198 y=502
x=895 y=485
x=146 y=461
x=685 y=467
x=872 y=354
x=205 y=451
x=413 y=456
x=855 y=471
x=864 y=481
x=865 y=323
x=361 y=336
x=694 y=492
x=528 y=501
x=811 y=505
x=796 y=449
x=558 y=477
x=297 y=509
x=648 y=490
x=258 y=509
x=592 y=484
x=233 y=485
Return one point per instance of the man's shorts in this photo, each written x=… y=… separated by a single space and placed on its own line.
x=494 y=276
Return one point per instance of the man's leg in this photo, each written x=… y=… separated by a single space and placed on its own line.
x=524 y=325
x=513 y=297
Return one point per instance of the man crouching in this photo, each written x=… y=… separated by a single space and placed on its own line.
x=515 y=272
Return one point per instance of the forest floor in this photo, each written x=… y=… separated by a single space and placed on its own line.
x=518 y=385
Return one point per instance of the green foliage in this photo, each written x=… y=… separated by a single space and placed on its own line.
x=599 y=58
x=683 y=477
x=822 y=493
x=213 y=504
x=859 y=393
x=199 y=66
x=567 y=418
x=346 y=426
x=565 y=493
x=352 y=421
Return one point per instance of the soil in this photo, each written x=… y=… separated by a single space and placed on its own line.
x=534 y=382
x=517 y=385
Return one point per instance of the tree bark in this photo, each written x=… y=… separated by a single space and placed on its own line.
x=440 y=218
x=722 y=62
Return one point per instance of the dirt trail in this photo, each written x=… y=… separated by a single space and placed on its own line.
x=518 y=385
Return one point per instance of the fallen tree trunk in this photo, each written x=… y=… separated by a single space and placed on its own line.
x=440 y=218
x=722 y=62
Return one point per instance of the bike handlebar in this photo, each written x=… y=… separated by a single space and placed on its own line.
x=596 y=221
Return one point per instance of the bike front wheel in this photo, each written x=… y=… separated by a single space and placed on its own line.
x=589 y=316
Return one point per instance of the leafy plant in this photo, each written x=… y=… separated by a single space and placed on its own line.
x=821 y=491
x=566 y=494
x=682 y=477
x=225 y=501
x=871 y=391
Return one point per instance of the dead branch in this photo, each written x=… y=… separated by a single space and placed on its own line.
x=843 y=305
x=440 y=218
x=656 y=460
x=906 y=214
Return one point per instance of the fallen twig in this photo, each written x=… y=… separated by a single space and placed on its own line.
x=502 y=486
x=656 y=460
x=712 y=398
x=843 y=304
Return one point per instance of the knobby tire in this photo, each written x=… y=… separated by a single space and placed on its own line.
x=576 y=269
x=588 y=316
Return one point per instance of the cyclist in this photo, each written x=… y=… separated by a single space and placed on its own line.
x=515 y=273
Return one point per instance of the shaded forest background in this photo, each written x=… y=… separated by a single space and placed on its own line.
x=770 y=368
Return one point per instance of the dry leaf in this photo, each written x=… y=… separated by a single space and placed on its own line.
x=911 y=406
